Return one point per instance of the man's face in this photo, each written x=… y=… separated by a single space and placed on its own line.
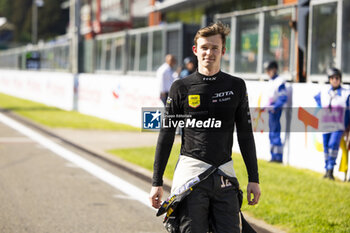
x=271 y=72
x=334 y=81
x=209 y=51
x=173 y=62
x=190 y=66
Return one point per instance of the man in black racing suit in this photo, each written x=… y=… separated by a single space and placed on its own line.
x=219 y=102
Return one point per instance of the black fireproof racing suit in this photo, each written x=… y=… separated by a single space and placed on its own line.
x=220 y=97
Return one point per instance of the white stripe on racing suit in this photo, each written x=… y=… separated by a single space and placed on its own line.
x=188 y=168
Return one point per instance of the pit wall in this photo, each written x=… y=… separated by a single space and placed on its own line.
x=120 y=98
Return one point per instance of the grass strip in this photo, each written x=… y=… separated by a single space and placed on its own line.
x=58 y=118
x=296 y=200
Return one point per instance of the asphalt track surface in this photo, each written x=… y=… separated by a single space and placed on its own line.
x=41 y=191
x=51 y=184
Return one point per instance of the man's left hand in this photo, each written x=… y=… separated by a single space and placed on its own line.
x=253 y=188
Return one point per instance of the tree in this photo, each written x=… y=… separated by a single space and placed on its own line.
x=52 y=20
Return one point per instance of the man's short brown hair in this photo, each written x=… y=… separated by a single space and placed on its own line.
x=212 y=30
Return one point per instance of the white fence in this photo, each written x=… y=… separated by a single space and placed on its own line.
x=50 y=88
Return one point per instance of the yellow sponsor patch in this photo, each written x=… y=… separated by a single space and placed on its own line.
x=194 y=101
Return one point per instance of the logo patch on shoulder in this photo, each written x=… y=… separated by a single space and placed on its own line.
x=169 y=100
x=194 y=101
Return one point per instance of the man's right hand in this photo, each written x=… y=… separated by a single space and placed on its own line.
x=253 y=188
x=155 y=196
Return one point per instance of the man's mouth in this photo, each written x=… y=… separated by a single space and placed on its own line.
x=209 y=59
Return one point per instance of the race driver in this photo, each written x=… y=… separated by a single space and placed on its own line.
x=207 y=94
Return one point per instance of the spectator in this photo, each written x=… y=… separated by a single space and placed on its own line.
x=166 y=76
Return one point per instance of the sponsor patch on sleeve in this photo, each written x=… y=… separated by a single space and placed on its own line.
x=169 y=100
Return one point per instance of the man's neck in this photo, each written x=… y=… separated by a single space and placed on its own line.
x=208 y=72
x=335 y=87
x=274 y=76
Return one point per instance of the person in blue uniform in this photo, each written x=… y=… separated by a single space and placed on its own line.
x=189 y=67
x=277 y=97
x=334 y=119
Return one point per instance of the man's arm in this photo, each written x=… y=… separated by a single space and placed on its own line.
x=282 y=97
x=159 y=76
x=164 y=145
x=347 y=121
x=347 y=114
x=317 y=98
x=247 y=146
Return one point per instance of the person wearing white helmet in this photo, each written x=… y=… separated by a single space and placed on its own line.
x=334 y=120
x=277 y=97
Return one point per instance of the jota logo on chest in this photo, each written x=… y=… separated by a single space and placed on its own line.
x=222 y=94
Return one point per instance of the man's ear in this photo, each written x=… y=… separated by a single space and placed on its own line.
x=223 y=50
x=194 y=50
